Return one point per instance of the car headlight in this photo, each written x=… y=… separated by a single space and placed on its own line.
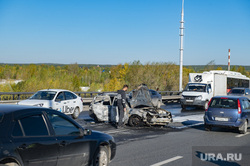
x=199 y=98
x=182 y=97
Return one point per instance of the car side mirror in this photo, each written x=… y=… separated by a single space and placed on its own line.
x=87 y=132
x=209 y=90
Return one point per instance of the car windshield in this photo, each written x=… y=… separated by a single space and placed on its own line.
x=43 y=95
x=224 y=103
x=196 y=87
x=237 y=91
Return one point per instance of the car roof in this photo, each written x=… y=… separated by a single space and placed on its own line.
x=240 y=88
x=8 y=108
x=56 y=90
x=231 y=97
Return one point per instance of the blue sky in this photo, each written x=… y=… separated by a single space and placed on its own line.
x=120 y=31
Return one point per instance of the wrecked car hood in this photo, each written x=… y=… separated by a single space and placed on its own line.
x=141 y=97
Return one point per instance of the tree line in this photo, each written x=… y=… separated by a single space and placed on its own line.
x=162 y=76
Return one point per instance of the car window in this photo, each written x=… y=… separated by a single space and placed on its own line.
x=153 y=93
x=34 y=126
x=245 y=104
x=238 y=91
x=69 y=96
x=62 y=126
x=60 y=96
x=43 y=95
x=224 y=103
x=17 y=131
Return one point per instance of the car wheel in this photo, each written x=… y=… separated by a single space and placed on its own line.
x=205 y=107
x=243 y=128
x=135 y=120
x=76 y=113
x=208 y=128
x=101 y=157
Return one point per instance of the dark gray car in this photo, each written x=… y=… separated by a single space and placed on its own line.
x=240 y=92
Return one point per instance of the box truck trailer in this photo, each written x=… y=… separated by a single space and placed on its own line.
x=203 y=86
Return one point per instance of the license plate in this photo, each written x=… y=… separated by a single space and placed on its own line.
x=189 y=101
x=221 y=119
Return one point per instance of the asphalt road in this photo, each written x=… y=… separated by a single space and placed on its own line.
x=173 y=144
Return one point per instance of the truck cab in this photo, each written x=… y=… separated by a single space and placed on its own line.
x=203 y=86
x=196 y=94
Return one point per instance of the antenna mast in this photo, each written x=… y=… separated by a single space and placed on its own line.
x=181 y=45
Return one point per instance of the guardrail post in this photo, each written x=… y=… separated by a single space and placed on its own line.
x=18 y=97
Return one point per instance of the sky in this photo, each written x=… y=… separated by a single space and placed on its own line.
x=123 y=31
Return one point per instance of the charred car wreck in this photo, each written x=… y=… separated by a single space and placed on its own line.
x=141 y=109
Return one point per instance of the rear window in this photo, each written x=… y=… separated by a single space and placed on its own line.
x=224 y=103
x=238 y=91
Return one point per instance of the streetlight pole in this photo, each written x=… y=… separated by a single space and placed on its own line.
x=181 y=45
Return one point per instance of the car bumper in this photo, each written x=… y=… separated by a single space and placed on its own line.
x=113 y=150
x=236 y=124
x=193 y=102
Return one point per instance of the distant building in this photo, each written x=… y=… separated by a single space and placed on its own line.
x=3 y=81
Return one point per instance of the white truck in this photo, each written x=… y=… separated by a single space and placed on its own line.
x=203 y=86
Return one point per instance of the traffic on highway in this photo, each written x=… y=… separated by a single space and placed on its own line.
x=208 y=126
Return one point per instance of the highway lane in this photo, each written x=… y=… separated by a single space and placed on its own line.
x=176 y=146
x=169 y=145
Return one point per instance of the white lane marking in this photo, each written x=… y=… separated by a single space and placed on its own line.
x=183 y=127
x=115 y=131
x=188 y=118
x=167 y=161
x=241 y=135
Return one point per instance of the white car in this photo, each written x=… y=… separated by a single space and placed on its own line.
x=58 y=99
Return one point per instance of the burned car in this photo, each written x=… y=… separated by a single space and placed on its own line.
x=102 y=106
x=140 y=109
x=156 y=97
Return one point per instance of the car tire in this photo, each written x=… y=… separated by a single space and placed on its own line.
x=243 y=128
x=208 y=128
x=101 y=157
x=76 y=113
x=205 y=107
x=135 y=121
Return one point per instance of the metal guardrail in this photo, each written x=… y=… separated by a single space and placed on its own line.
x=6 y=96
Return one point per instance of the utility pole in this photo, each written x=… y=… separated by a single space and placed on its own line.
x=181 y=45
x=228 y=66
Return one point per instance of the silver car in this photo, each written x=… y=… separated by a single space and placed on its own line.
x=140 y=109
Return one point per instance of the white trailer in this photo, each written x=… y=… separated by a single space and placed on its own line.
x=203 y=86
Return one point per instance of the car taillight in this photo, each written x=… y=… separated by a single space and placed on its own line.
x=208 y=104
x=239 y=108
